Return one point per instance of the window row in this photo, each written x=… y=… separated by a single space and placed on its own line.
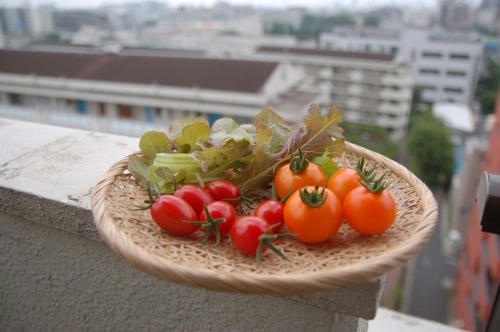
x=445 y=89
x=435 y=71
x=452 y=56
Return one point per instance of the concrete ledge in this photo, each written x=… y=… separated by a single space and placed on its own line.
x=47 y=172
x=46 y=176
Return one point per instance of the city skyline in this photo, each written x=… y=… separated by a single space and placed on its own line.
x=329 y=4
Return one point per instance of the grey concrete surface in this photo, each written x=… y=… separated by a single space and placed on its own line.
x=46 y=176
x=47 y=172
x=54 y=280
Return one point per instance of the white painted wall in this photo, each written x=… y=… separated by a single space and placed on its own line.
x=282 y=80
x=412 y=44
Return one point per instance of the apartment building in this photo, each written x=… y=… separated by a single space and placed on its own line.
x=131 y=94
x=446 y=65
x=370 y=88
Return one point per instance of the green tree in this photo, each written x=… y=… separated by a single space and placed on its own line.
x=488 y=86
x=431 y=151
x=371 y=137
x=371 y=21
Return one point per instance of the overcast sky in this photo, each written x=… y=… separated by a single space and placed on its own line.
x=260 y=3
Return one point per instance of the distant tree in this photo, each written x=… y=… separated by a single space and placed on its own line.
x=416 y=99
x=371 y=137
x=488 y=86
x=53 y=37
x=431 y=151
x=311 y=26
x=371 y=21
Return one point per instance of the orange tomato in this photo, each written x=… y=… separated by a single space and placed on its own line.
x=313 y=224
x=286 y=181
x=369 y=213
x=343 y=181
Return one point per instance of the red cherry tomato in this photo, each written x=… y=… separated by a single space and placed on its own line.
x=272 y=212
x=220 y=209
x=223 y=189
x=195 y=195
x=245 y=233
x=170 y=212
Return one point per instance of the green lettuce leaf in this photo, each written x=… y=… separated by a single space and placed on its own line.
x=139 y=168
x=154 y=142
x=226 y=129
x=327 y=165
x=280 y=130
x=190 y=134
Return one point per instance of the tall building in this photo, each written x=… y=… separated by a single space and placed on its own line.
x=455 y=14
x=15 y=20
x=19 y=25
x=446 y=65
x=131 y=94
x=371 y=88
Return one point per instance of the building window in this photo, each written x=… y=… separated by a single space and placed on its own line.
x=394 y=50
x=149 y=114
x=14 y=99
x=429 y=71
x=395 y=87
x=125 y=112
x=429 y=87
x=102 y=109
x=394 y=102
x=428 y=54
x=459 y=56
x=81 y=107
x=453 y=90
x=455 y=73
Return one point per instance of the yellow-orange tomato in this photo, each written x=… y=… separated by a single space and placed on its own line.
x=313 y=224
x=286 y=181
x=343 y=181
x=369 y=213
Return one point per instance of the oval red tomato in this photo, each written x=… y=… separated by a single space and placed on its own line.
x=222 y=190
x=195 y=195
x=272 y=212
x=170 y=212
x=220 y=209
x=245 y=233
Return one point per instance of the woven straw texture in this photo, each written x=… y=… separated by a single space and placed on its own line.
x=346 y=259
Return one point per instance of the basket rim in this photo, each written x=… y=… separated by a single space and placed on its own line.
x=251 y=282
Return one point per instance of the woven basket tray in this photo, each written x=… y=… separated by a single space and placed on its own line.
x=346 y=259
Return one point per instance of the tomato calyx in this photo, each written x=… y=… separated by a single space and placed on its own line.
x=369 y=179
x=313 y=198
x=265 y=241
x=210 y=226
x=298 y=163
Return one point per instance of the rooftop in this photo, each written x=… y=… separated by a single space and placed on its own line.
x=204 y=73
x=326 y=53
x=455 y=116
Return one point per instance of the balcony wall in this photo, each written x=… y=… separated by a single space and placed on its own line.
x=56 y=274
